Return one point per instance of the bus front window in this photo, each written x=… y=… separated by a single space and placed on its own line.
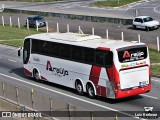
x=26 y=51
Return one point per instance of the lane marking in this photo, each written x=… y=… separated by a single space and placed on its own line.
x=92 y=103
x=150 y=97
x=156 y=8
x=11 y=60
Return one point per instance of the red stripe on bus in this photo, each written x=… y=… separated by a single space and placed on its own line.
x=95 y=74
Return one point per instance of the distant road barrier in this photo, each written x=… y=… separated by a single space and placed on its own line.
x=73 y=16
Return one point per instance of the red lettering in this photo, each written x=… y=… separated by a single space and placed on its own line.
x=126 y=54
x=49 y=67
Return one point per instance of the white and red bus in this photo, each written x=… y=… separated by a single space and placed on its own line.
x=88 y=63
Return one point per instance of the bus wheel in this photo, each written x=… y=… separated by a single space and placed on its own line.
x=36 y=75
x=79 y=87
x=90 y=91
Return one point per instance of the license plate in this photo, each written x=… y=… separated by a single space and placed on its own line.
x=144 y=83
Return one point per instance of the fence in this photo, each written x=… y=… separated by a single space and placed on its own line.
x=20 y=23
x=27 y=98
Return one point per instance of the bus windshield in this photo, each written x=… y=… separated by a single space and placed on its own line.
x=129 y=54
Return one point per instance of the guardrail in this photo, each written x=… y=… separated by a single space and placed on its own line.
x=32 y=100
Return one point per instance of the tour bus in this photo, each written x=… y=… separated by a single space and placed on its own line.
x=88 y=63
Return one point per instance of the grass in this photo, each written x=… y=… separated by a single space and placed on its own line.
x=14 y=36
x=112 y=3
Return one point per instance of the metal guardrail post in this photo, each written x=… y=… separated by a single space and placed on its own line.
x=69 y=111
x=17 y=95
x=91 y=113
x=3 y=90
x=51 y=106
x=32 y=91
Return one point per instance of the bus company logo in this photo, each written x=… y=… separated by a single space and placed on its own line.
x=126 y=54
x=57 y=71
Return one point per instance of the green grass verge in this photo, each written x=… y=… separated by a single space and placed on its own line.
x=14 y=36
x=112 y=3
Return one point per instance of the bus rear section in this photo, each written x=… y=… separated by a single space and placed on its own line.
x=134 y=71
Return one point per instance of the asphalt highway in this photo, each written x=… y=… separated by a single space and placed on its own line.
x=11 y=71
x=82 y=7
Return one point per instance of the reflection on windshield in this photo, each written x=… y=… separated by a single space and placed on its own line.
x=38 y=18
x=148 y=19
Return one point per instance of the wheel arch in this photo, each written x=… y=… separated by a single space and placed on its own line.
x=37 y=70
x=91 y=83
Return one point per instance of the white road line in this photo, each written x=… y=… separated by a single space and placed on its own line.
x=92 y=103
x=12 y=60
x=156 y=8
x=150 y=96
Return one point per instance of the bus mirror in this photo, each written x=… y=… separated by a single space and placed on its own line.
x=19 y=53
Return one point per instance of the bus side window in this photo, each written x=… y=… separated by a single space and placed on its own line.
x=99 y=58
x=88 y=55
x=108 y=59
x=77 y=53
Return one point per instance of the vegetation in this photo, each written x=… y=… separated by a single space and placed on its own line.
x=14 y=36
x=112 y=3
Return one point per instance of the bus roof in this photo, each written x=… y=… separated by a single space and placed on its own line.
x=85 y=40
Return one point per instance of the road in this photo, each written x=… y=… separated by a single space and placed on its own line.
x=150 y=38
x=11 y=71
x=82 y=7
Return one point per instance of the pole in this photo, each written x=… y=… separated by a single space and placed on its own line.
x=67 y=28
x=3 y=90
x=37 y=25
x=139 y=38
x=158 y=44
x=92 y=31
x=27 y=24
x=17 y=95
x=10 y=21
x=51 y=104
x=32 y=91
x=47 y=26
x=107 y=34
x=19 y=23
x=57 y=28
x=3 y=20
x=122 y=36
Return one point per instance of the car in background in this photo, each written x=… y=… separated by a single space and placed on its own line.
x=145 y=22
x=35 y=21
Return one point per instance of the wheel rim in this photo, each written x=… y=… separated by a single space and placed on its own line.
x=79 y=88
x=90 y=91
x=36 y=75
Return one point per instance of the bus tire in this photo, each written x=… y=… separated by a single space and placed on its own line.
x=36 y=75
x=90 y=91
x=79 y=87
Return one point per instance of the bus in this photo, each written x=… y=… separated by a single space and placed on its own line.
x=88 y=63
